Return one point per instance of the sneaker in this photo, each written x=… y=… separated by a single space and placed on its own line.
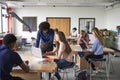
x=100 y=70
x=93 y=74
x=116 y=56
x=95 y=71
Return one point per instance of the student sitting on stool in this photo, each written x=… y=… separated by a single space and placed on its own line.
x=64 y=58
x=97 y=48
x=9 y=58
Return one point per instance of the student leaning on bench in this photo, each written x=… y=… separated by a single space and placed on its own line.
x=9 y=58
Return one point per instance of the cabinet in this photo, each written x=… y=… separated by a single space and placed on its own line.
x=116 y=43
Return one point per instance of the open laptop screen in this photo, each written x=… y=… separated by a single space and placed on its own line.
x=37 y=52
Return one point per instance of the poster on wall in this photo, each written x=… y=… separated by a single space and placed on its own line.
x=32 y=22
x=86 y=24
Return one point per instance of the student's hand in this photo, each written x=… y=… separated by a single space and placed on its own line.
x=47 y=59
x=44 y=54
x=25 y=66
x=82 y=39
x=85 y=50
x=26 y=62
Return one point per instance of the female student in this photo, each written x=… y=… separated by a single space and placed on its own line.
x=9 y=58
x=64 y=57
x=97 y=48
x=83 y=39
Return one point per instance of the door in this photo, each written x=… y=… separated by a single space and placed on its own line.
x=62 y=24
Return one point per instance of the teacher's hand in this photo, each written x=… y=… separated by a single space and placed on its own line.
x=45 y=45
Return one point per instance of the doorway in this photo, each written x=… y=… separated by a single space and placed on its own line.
x=61 y=23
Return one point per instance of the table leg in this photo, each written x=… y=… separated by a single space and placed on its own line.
x=46 y=75
x=40 y=75
x=75 y=60
x=52 y=76
x=108 y=66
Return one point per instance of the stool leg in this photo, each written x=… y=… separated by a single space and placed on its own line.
x=106 y=65
x=66 y=75
x=63 y=74
x=52 y=77
x=75 y=60
x=90 y=72
x=111 y=66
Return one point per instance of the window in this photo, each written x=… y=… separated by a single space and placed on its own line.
x=32 y=22
x=86 y=24
x=3 y=19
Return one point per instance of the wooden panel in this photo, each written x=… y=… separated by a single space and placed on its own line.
x=83 y=64
x=63 y=24
x=26 y=76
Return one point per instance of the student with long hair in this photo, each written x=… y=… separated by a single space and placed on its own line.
x=97 y=48
x=64 y=57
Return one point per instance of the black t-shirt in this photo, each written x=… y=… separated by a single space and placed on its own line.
x=8 y=58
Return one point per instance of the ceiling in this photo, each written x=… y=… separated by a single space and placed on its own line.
x=60 y=3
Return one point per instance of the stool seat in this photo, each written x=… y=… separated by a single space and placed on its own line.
x=65 y=69
x=95 y=59
x=71 y=66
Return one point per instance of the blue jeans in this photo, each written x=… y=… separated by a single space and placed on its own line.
x=95 y=57
x=60 y=65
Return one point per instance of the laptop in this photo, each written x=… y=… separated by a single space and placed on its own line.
x=37 y=52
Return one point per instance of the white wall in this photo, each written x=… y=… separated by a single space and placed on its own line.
x=73 y=12
x=113 y=18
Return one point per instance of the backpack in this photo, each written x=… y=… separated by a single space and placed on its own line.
x=82 y=75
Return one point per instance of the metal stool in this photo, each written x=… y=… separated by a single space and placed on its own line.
x=65 y=70
x=25 y=44
x=97 y=60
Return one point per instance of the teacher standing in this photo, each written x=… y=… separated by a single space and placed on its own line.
x=45 y=37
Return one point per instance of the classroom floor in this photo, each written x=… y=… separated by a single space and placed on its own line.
x=114 y=75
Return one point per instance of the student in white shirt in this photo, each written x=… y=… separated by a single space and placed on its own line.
x=74 y=32
x=64 y=58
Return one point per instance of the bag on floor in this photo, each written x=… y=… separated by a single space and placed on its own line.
x=82 y=75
